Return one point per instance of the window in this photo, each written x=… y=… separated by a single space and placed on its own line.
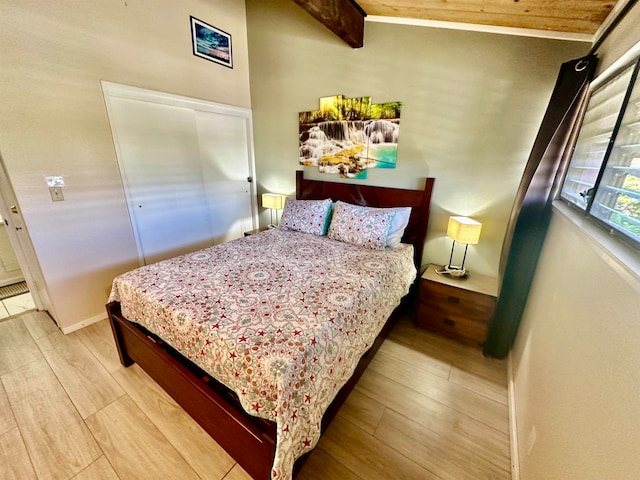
x=603 y=177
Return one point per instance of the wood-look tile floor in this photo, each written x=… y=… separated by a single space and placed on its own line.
x=16 y=305
x=426 y=408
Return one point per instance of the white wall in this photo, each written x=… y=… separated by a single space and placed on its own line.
x=576 y=361
x=471 y=107
x=53 y=121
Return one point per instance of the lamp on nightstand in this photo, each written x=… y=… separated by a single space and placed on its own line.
x=461 y=230
x=273 y=201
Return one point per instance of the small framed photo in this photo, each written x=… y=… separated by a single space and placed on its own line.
x=211 y=43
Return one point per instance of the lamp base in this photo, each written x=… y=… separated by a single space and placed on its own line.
x=452 y=271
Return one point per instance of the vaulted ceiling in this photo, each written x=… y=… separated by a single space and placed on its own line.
x=560 y=16
x=575 y=16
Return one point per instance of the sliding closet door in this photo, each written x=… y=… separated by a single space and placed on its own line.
x=160 y=164
x=186 y=166
x=224 y=152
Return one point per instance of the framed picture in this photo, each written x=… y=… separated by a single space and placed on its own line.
x=211 y=43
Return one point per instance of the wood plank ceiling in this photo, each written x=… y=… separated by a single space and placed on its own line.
x=574 y=16
x=346 y=17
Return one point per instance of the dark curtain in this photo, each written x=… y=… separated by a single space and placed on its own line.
x=531 y=212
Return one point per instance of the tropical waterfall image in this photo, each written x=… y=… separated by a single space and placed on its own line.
x=347 y=136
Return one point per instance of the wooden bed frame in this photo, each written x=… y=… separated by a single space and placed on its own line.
x=251 y=440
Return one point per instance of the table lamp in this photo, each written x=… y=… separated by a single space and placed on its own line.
x=273 y=201
x=461 y=230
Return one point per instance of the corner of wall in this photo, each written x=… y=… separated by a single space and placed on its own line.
x=513 y=420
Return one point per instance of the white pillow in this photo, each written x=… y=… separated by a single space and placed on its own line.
x=398 y=225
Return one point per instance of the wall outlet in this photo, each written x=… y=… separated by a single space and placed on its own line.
x=531 y=440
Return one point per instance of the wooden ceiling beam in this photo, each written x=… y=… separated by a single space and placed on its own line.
x=343 y=17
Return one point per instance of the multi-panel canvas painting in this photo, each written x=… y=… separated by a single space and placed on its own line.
x=347 y=136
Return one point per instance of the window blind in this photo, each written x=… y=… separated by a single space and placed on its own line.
x=603 y=177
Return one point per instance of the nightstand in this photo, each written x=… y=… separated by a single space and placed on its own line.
x=457 y=308
x=257 y=230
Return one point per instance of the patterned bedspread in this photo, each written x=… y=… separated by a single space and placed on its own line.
x=281 y=318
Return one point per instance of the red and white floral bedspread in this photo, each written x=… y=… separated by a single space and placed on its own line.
x=281 y=318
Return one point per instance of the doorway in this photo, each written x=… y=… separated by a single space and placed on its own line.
x=15 y=297
x=19 y=271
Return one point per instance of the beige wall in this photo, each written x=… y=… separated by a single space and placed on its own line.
x=621 y=40
x=472 y=105
x=576 y=365
x=576 y=358
x=53 y=122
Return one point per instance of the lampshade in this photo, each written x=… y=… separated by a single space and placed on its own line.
x=464 y=230
x=273 y=200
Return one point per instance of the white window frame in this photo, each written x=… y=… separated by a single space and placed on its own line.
x=623 y=258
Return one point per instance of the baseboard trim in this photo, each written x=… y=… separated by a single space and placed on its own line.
x=84 y=323
x=513 y=427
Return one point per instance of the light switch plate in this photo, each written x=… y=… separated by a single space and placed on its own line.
x=56 y=194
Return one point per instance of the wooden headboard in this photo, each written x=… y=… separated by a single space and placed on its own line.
x=370 y=196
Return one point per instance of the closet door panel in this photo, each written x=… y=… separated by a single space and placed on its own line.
x=161 y=168
x=224 y=152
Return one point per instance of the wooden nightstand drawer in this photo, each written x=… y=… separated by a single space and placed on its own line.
x=464 y=328
x=460 y=328
x=457 y=300
x=458 y=308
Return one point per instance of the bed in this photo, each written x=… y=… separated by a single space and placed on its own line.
x=261 y=339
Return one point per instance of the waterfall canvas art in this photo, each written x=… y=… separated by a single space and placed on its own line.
x=347 y=136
